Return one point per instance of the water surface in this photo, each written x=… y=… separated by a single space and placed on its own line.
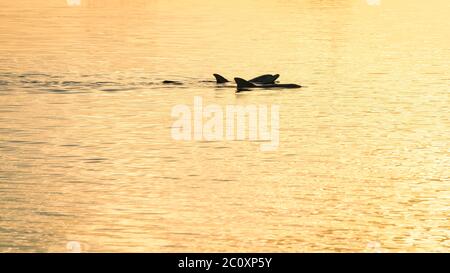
x=86 y=152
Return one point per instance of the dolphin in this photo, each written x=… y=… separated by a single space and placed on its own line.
x=263 y=79
x=243 y=85
x=172 y=82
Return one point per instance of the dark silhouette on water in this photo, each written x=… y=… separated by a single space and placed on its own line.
x=220 y=79
x=172 y=82
x=243 y=85
x=263 y=79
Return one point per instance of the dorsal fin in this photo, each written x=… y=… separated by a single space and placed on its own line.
x=220 y=79
x=241 y=83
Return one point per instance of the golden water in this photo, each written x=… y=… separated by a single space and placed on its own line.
x=86 y=153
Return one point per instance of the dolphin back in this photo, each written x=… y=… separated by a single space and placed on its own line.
x=265 y=79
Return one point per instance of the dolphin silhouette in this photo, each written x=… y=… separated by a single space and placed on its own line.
x=263 y=79
x=172 y=82
x=243 y=85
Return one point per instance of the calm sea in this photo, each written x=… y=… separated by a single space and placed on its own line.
x=88 y=163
